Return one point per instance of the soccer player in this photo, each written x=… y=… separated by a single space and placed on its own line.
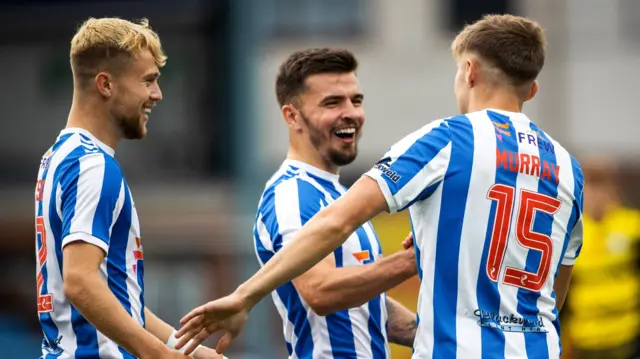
x=495 y=205
x=338 y=308
x=88 y=243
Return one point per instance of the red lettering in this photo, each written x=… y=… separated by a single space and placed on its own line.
x=501 y=158
x=546 y=171
x=535 y=166
x=556 y=171
x=513 y=161
x=525 y=160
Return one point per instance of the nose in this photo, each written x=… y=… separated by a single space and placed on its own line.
x=354 y=112
x=156 y=94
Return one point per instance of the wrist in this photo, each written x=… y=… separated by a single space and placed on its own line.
x=247 y=298
x=411 y=268
x=172 y=341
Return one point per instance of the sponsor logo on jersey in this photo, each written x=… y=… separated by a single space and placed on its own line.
x=384 y=167
x=509 y=323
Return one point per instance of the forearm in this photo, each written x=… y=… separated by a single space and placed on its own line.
x=156 y=326
x=350 y=287
x=90 y=295
x=402 y=325
x=317 y=239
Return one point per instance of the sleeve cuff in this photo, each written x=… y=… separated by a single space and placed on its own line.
x=85 y=237
x=376 y=175
x=567 y=261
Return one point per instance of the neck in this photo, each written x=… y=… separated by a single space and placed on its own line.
x=309 y=155
x=505 y=100
x=89 y=114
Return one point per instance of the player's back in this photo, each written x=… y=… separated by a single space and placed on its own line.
x=493 y=201
x=81 y=195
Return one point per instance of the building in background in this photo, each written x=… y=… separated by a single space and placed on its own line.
x=215 y=137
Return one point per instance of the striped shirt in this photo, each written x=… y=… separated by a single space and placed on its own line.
x=81 y=195
x=495 y=206
x=294 y=194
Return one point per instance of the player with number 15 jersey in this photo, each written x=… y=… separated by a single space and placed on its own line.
x=495 y=205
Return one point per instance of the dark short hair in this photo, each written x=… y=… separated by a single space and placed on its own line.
x=295 y=70
x=513 y=44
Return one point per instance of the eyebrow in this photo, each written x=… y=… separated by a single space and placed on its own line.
x=153 y=75
x=329 y=98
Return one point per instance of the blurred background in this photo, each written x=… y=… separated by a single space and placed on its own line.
x=218 y=135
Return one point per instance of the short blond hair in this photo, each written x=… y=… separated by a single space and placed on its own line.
x=99 y=43
x=514 y=45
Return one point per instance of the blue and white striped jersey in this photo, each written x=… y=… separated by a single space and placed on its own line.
x=81 y=195
x=495 y=206
x=294 y=194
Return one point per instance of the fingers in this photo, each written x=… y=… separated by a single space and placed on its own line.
x=194 y=313
x=408 y=242
x=189 y=331
x=190 y=325
x=197 y=340
x=224 y=342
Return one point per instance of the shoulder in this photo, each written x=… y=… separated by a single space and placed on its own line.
x=291 y=188
x=83 y=155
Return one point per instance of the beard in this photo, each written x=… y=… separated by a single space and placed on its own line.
x=338 y=157
x=131 y=127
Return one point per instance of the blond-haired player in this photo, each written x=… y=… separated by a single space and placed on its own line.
x=88 y=242
x=495 y=205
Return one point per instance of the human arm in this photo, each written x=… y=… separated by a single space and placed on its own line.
x=328 y=289
x=315 y=241
x=563 y=278
x=91 y=192
x=561 y=285
x=409 y=172
x=89 y=294
x=402 y=324
x=162 y=330
x=329 y=286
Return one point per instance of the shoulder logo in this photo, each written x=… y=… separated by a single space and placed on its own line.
x=501 y=129
x=384 y=166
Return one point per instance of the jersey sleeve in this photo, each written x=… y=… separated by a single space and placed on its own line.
x=283 y=212
x=91 y=196
x=413 y=168
x=575 y=237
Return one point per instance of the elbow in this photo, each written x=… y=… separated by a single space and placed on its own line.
x=322 y=307
x=337 y=226
x=72 y=284
x=320 y=302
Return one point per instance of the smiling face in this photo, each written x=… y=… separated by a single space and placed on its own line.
x=332 y=115
x=136 y=92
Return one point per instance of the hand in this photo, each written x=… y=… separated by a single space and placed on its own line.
x=227 y=314
x=166 y=353
x=408 y=242
x=174 y=354
x=206 y=353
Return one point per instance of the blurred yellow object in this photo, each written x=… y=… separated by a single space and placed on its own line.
x=392 y=230
x=603 y=297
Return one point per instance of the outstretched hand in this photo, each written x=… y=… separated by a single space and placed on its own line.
x=226 y=314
